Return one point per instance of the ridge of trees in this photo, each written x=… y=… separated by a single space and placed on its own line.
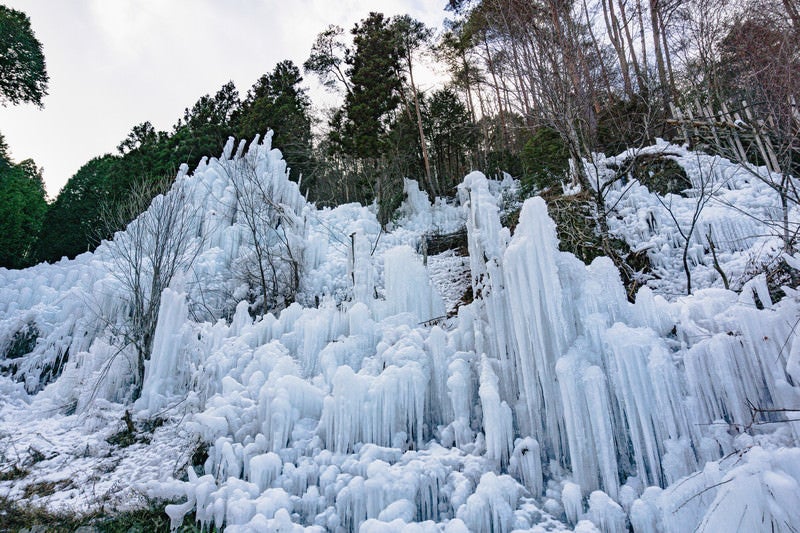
x=22 y=208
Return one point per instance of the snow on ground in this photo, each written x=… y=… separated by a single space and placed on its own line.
x=73 y=466
x=549 y=403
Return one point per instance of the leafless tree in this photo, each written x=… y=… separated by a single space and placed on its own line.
x=762 y=53
x=746 y=69
x=275 y=265
x=157 y=244
x=705 y=187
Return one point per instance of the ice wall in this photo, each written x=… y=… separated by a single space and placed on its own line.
x=69 y=305
x=408 y=287
x=366 y=405
x=612 y=390
x=550 y=375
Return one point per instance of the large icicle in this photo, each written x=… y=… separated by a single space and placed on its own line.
x=486 y=239
x=541 y=331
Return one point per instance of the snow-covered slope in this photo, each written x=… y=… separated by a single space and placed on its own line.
x=734 y=206
x=548 y=403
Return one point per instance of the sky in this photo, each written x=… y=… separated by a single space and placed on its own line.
x=117 y=63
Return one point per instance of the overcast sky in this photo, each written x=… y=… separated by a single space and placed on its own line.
x=117 y=63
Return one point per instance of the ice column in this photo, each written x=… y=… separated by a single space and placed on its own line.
x=540 y=330
x=498 y=424
x=650 y=394
x=486 y=239
x=408 y=287
x=587 y=417
x=164 y=371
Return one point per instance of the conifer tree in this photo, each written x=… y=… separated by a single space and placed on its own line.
x=22 y=208
x=70 y=224
x=23 y=74
x=375 y=88
x=277 y=102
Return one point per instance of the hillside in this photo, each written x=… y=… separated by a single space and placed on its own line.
x=513 y=388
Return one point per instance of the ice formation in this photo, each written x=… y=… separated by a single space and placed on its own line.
x=373 y=403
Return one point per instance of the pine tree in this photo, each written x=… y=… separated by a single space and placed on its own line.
x=327 y=58
x=371 y=104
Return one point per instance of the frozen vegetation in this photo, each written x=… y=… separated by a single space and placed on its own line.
x=377 y=401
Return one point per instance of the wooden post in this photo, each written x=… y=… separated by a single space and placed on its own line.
x=676 y=112
x=709 y=115
x=756 y=134
x=736 y=142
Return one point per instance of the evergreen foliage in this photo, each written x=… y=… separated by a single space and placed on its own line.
x=370 y=106
x=276 y=101
x=327 y=58
x=71 y=223
x=452 y=136
x=22 y=208
x=23 y=74
x=545 y=160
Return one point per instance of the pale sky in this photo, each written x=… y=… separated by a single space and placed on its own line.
x=116 y=63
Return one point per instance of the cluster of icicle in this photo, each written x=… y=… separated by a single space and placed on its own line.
x=611 y=390
x=732 y=206
x=550 y=395
x=363 y=416
x=73 y=307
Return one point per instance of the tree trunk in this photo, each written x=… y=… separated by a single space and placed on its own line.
x=435 y=189
x=667 y=57
x=640 y=78
x=662 y=71
x=787 y=236
x=603 y=70
x=686 y=266
x=643 y=41
x=468 y=86
x=793 y=12
x=614 y=35
x=501 y=111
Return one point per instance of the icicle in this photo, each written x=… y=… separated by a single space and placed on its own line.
x=606 y=513
x=264 y=469
x=460 y=387
x=526 y=464
x=228 y=149
x=408 y=287
x=572 y=498
x=490 y=508
x=588 y=419
x=164 y=374
x=539 y=325
x=486 y=240
x=497 y=421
